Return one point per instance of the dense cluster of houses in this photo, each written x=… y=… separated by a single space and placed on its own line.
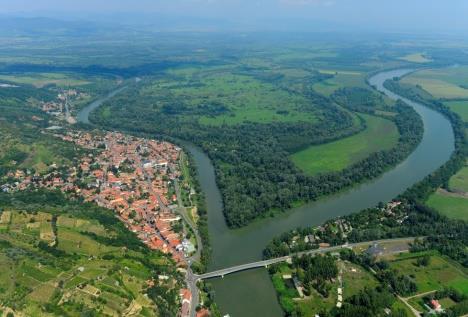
x=58 y=106
x=129 y=175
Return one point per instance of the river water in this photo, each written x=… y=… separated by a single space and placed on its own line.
x=251 y=293
x=83 y=114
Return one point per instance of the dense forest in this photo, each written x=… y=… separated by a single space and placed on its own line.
x=254 y=172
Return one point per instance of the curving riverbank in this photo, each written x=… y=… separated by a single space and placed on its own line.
x=250 y=293
x=230 y=247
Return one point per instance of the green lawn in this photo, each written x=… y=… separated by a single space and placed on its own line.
x=380 y=134
x=452 y=207
x=460 y=107
x=438 y=274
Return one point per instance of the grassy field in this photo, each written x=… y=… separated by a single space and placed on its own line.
x=447 y=83
x=459 y=181
x=416 y=58
x=460 y=107
x=454 y=204
x=452 y=207
x=87 y=271
x=40 y=80
x=355 y=278
x=341 y=79
x=438 y=274
x=380 y=134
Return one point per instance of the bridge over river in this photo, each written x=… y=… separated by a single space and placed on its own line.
x=266 y=263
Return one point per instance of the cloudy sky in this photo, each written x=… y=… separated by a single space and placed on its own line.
x=409 y=15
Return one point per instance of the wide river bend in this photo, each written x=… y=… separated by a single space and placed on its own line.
x=251 y=293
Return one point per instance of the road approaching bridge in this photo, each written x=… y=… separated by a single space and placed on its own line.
x=266 y=263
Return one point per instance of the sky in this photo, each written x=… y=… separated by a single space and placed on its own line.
x=390 y=15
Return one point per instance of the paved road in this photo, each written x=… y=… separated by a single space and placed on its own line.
x=266 y=263
x=190 y=278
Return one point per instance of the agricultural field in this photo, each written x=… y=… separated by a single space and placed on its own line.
x=439 y=273
x=452 y=206
x=445 y=83
x=380 y=134
x=416 y=58
x=56 y=264
x=453 y=202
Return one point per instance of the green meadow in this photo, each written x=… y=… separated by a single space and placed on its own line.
x=459 y=107
x=380 y=134
x=454 y=204
x=439 y=273
x=459 y=181
x=452 y=207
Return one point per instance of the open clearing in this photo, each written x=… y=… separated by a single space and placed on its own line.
x=380 y=134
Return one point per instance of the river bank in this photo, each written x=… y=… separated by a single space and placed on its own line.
x=230 y=247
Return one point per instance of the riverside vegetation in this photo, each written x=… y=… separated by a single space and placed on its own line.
x=407 y=217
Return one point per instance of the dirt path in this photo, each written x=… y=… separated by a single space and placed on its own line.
x=452 y=194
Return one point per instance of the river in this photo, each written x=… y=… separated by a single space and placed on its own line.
x=251 y=293
x=83 y=114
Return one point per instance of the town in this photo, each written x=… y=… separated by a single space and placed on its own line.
x=132 y=176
